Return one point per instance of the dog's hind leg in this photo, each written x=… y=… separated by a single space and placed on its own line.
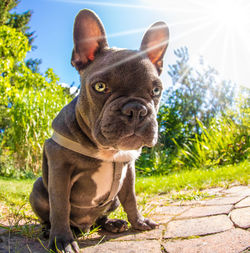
x=112 y=225
x=39 y=201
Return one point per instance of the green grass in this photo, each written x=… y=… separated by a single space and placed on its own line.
x=196 y=179
x=14 y=191
x=14 y=194
x=14 y=201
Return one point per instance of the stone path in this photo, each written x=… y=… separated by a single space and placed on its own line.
x=218 y=225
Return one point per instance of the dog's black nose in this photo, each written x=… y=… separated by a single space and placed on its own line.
x=134 y=111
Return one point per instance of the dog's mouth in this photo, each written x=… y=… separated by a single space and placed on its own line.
x=130 y=142
x=124 y=139
x=126 y=124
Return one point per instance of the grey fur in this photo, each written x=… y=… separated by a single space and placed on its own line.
x=114 y=125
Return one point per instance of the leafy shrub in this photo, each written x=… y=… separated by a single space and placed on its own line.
x=196 y=93
x=28 y=103
x=223 y=142
x=154 y=161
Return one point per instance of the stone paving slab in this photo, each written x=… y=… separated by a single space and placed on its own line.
x=170 y=210
x=231 y=241
x=243 y=203
x=19 y=244
x=161 y=219
x=222 y=201
x=3 y=231
x=199 y=226
x=202 y=211
x=213 y=191
x=246 y=250
x=238 y=190
x=134 y=235
x=241 y=217
x=222 y=224
x=151 y=246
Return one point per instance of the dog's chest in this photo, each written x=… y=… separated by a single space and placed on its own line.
x=99 y=187
x=103 y=179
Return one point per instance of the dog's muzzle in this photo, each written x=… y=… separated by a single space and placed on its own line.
x=134 y=112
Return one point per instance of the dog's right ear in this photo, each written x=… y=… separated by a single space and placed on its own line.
x=154 y=44
x=89 y=38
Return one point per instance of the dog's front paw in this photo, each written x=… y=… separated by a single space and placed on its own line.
x=61 y=244
x=144 y=224
x=115 y=225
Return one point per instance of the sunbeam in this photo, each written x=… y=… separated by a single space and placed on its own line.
x=208 y=42
x=171 y=25
x=134 y=56
x=225 y=48
x=192 y=30
x=219 y=30
x=133 y=6
x=234 y=62
x=224 y=53
x=202 y=48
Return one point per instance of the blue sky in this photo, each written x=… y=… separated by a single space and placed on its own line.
x=217 y=29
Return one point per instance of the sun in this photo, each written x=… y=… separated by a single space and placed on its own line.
x=231 y=14
x=219 y=30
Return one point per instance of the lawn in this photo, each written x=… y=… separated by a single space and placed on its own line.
x=196 y=179
x=14 y=193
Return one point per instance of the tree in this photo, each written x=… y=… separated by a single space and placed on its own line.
x=196 y=95
x=20 y=23
x=14 y=20
x=28 y=103
x=197 y=92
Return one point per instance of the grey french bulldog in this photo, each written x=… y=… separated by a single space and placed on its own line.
x=89 y=162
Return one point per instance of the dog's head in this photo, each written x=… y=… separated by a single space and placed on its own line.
x=120 y=89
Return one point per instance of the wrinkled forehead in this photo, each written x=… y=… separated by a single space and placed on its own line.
x=122 y=64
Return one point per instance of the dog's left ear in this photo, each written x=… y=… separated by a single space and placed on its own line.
x=89 y=38
x=155 y=43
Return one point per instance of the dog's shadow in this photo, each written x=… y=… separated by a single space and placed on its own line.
x=30 y=238
x=103 y=236
x=22 y=238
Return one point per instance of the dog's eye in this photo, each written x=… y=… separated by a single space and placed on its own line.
x=101 y=87
x=156 y=91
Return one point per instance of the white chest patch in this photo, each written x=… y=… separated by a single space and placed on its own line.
x=118 y=156
x=103 y=179
x=124 y=173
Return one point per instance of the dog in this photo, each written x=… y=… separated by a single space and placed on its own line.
x=88 y=164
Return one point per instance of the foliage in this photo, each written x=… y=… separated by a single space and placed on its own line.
x=224 y=142
x=29 y=102
x=196 y=95
x=196 y=179
x=33 y=64
x=20 y=23
x=15 y=193
x=15 y=20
